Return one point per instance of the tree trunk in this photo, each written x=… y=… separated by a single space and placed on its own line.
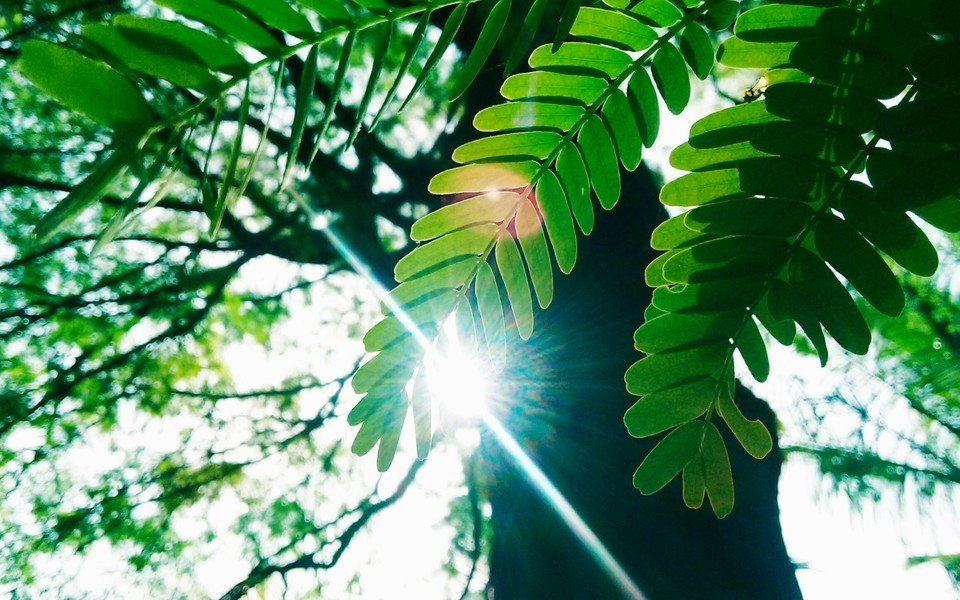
x=563 y=398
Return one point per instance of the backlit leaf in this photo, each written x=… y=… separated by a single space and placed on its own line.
x=573 y=175
x=601 y=160
x=668 y=457
x=552 y=203
x=485 y=208
x=612 y=28
x=660 y=411
x=534 y=247
x=716 y=468
x=83 y=84
x=616 y=113
x=671 y=77
x=514 y=276
x=859 y=263
x=491 y=314
x=489 y=34
x=752 y=435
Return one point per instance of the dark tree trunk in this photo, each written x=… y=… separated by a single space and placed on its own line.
x=563 y=398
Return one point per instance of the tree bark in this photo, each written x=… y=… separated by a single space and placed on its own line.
x=563 y=398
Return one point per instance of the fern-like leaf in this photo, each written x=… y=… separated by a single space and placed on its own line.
x=217 y=51
x=586 y=108
x=777 y=211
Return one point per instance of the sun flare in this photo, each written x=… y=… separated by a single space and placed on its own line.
x=459 y=384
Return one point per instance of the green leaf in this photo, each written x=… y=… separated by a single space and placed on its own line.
x=874 y=32
x=534 y=247
x=528 y=115
x=612 y=28
x=694 y=483
x=659 y=372
x=177 y=67
x=722 y=14
x=471 y=241
x=674 y=331
x=646 y=108
x=328 y=9
x=695 y=189
x=726 y=257
x=752 y=349
x=416 y=38
x=783 y=299
x=484 y=177
x=832 y=145
x=579 y=58
x=524 y=37
x=515 y=281
x=493 y=207
x=671 y=77
x=276 y=14
x=567 y=17
x=581 y=89
x=393 y=425
x=552 y=203
x=219 y=207
x=509 y=146
x=420 y=403
x=384 y=333
x=943 y=214
x=379 y=58
x=697 y=49
x=775 y=217
x=730 y=125
x=688 y=157
x=85 y=85
x=830 y=62
x=391 y=367
x=847 y=252
x=491 y=314
x=573 y=175
x=820 y=290
x=668 y=457
x=752 y=435
x=304 y=104
x=925 y=181
x=659 y=13
x=716 y=468
x=489 y=34
x=82 y=196
x=452 y=275
x=450 y=28
x=227 y=20
x=674 y=233
x=778 y=22
x=601 y=160
x=660 y=411
x=336 y=89
x=819 y=103
x=616 y=111
x=739 y=53
x=214 y=52
x=713 y=296
x=782 y=329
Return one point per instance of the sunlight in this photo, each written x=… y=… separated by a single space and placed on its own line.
x=460 y=391
x=458 y=381
x=574 y=521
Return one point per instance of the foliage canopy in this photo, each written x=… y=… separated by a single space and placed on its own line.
x=850 y=132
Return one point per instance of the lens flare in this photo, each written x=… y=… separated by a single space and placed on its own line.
x=564 y=509
x=461 y=387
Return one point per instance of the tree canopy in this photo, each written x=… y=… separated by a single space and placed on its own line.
x=194 y=173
